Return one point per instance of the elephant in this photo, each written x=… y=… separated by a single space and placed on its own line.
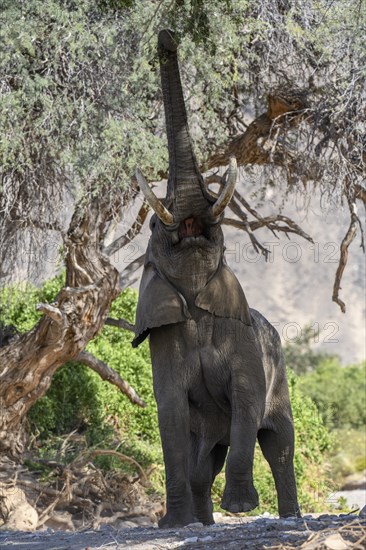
x=218 y=371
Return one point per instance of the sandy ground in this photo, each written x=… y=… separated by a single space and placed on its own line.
x=227 y=533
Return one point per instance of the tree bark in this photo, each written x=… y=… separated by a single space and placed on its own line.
x=29 y=361
x=251 y=147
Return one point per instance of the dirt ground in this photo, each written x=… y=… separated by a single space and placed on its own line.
x=309 y=533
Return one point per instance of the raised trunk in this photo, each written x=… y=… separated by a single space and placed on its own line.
x=184 y=182
x=28 y=361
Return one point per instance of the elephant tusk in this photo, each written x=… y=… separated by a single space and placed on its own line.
x=227 y=192
x=163 y=213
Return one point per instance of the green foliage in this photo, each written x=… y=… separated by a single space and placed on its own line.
x=17 y=304
x=79 y=399
x=339 y=393
x=349 y=452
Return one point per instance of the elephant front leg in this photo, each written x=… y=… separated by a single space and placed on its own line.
x=174 y=431
x=247 y=395
x=240 y=494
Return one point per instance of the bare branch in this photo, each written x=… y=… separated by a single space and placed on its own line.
x=110 y=375
x=258 y=247
x=248 y=148
x=239 y=197
x=347 y=240
x=120 y=323
x=131 y=233
x=360 y=192
x=125 y=278
x=121 y=456
x=37 y=224
x=271 y=223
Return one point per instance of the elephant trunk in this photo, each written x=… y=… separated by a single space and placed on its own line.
x=185 y=183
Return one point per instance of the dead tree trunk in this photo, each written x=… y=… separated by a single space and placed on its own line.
x=28 y=361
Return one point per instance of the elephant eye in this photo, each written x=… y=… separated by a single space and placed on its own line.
x=152 y=224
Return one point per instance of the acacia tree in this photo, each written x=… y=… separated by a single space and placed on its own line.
x=82 y=107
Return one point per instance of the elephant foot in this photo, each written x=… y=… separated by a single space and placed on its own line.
x=203 y=510
x=171 y=520
x=206 y=519
x=242 y=498
x=289 y=510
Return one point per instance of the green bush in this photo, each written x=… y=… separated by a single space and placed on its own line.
x=349 y=453
x=79 y=400
x=339 y=393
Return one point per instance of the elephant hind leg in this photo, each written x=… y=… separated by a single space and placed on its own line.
x=203 y=473
x=278 y=449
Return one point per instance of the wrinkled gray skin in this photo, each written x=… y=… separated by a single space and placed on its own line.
x=218 y=371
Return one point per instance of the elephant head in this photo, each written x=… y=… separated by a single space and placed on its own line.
x=186 y=246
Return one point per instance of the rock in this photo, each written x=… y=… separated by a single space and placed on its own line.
x=195 y=525
x=126 y=524
x=362 y=513
x=24 y=518
x=60 y=521
x=142 y=521
x=16 y=511
x=218 y=516
x=328 y=517
x=288 y=522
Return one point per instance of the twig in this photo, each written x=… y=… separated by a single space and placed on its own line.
x=125 y=277
x=134 y=230
x=245 y=225
x=120 y=323
x=64 y=494
x=107 y=373
x=270 y=222
x=121 y=456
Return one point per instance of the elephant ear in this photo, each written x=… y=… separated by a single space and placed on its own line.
x=159 y=304
x=224 y=297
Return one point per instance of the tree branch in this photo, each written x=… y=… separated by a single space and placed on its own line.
x=134 y=230
x=125 y=277
x=53 y=312
x=360 y=192
x=110 y=375
x=271 y=223
x=37 y=224
x=258 y=247
x=347 y=240
x=248 y=148
x=120 y=323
